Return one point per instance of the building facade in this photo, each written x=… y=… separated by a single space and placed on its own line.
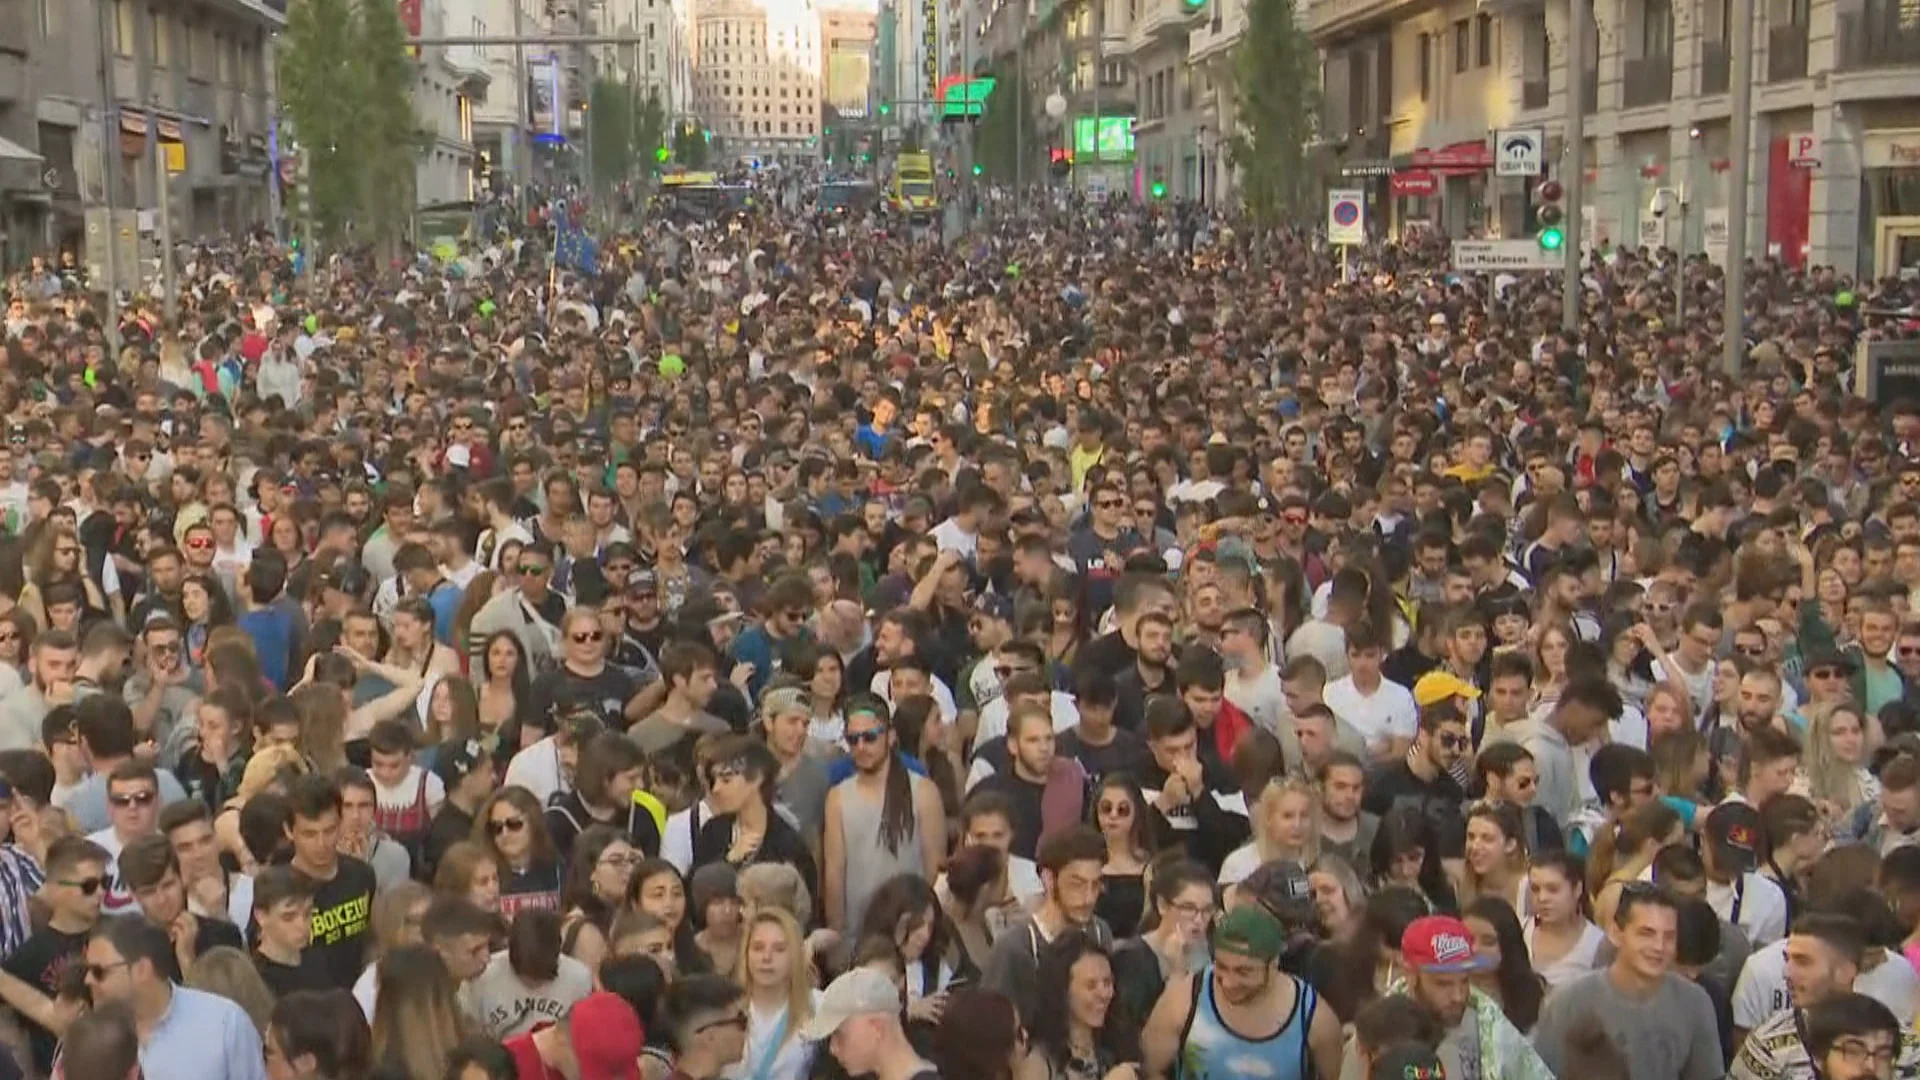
x=73 y=138
x=757 y=76
x=1416 y=92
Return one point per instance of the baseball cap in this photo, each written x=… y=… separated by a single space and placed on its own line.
x=785 y=700
x=1437 y=686
x=1407 y=1061
x=1439 y=943
x=860 y=992
x=1281 y=886
x=1250 y=931
x=1733 y=828
x=606 y=1036
x=642 y=583
x=1831 y=658
x=994 y=606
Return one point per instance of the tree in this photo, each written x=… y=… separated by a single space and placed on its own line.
x=650 y=126
x=1005 y=128
x=346 y=85
x=616 y=142
x=1277 y=83
x=690 y=145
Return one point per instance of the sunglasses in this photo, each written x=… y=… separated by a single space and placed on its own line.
x=1824 y=673
x=531 y=569
x=138 y=798
x=200 y=543
x=1110 y=504
x=87 y=886
x=1455 y=742
x=1750 y=650
x=594 y=636
x=1910 y=650
x=1119 y=809
x=506 y=825
x=867 y=737
x=1294 y=519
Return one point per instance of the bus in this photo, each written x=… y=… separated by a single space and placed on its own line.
x=912 y=188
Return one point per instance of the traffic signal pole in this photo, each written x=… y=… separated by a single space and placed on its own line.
x=1574 y=155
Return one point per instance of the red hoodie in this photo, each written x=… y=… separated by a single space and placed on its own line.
x=1228 y=725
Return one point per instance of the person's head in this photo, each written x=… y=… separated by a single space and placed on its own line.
x=1496 y=842
x=133 y=798
x=283 y=907
x=469 y=869
x=1438 y=952
x=1731 y=841
x=104 y=1044
x=1442 y=734
x=1391 y=1025
x=128 y=959
x=1622 y=776
x=1645 y=930
x=1507 y=772
x=658 y=889
x=1342 y=779
x=1075 y=969
x=513 y=826
x=1852 y=1037
x=705 y=1017
x=1823 y=956
x=1247 y=945
x=417 y=1014
x=1586 y=705
x=462 y=931
x=151 y=873
x=317 y=1034
x=1768 y=764
x=1556 y=890
x=979 y=1035
x=905 y=910
x=1070 y=869
x=313 y=824
x=773 y=956
x=868 y=733
x=76 y=878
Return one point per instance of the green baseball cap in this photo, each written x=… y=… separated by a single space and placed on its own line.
x=1250 y=932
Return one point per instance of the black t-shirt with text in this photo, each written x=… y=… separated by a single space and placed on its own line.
x=309 y=974
x=43 y=962
x=343 y=921
x=563 y=690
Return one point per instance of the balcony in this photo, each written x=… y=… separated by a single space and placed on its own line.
x=1534 y=93
x=1649 y=81
x=1786 y=52
x=1876 y=35
x=1715 y=63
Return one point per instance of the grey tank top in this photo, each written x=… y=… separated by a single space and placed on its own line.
x=869 y=863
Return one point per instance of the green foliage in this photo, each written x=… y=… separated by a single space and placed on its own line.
x=345 y=84
x=690 y=146
x=998 y=135
x=1277 y=83
x=650 y=127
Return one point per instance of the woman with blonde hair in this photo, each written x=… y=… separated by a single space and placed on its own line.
x=397 y=913
x=1834 y=772
x=417 y=1020
x=1286 y=826
x=471 y=870
x=230 y=973
x=773 y=969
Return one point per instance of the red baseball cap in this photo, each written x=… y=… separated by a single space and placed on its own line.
x=606 y=1037
x=1439 y=943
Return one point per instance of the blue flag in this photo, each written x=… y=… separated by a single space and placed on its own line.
x=573 y=248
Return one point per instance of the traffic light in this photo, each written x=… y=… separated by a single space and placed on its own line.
x=1060 y=162
x=1550 y=215
x=1158 y=190
x=886 y=108
x=661 y=154
x=978 y=169
x=1192 y=7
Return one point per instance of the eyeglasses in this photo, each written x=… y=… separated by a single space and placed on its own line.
x=1117 y=809
x=1455 y=742
x=1910 y=650
x=1857 y=1053
x=533 y=569
x=137 y=798
x=1008 y=671
x=628 y=861
x=1192 y=911
x=506 y=825
x=87 y=886
x=592 y=637
x=737 y=1021
x=1824 y=673
x=99 y=972
x=867 y=737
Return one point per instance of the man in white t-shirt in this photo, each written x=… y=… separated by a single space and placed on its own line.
x=1380 y=710
x=1730 y=850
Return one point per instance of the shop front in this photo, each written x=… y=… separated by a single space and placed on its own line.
x=1446 y=188
x=1890 y=202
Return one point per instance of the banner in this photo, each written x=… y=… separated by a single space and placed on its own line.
x=543 y=96
x=849 y=75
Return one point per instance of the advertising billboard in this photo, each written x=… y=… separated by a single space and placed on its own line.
x=849 y=76
x=1113 y=142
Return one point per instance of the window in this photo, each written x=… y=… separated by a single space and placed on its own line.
x=1462 y=46
x=1425 y=46
x=123 y=27
x=1483 y=45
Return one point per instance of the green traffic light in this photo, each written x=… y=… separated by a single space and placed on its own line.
x=885 y=108
x=1551 y=239
x=977 y=170
x=1158 y=190
x=662 y=154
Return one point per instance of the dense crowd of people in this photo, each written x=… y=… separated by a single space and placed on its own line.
x=1118 y=645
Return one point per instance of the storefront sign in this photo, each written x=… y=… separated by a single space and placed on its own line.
x=1714 y=235
x=1363 y=169
x=1891 y=149
x=1415 y=184
x=1887 y=370
x=1458 y=158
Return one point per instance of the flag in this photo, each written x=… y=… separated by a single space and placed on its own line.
x=573 y=249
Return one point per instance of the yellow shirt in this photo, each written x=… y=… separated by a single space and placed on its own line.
x=1082 y=460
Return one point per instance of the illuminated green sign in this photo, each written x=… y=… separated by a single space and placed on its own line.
x=1115 y=138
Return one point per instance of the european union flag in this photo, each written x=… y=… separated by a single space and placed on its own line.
x=573 y=248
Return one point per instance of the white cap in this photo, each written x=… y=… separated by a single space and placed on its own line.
x=860 y=992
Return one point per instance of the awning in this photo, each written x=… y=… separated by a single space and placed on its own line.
x=134 y=123
x=13 y=151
